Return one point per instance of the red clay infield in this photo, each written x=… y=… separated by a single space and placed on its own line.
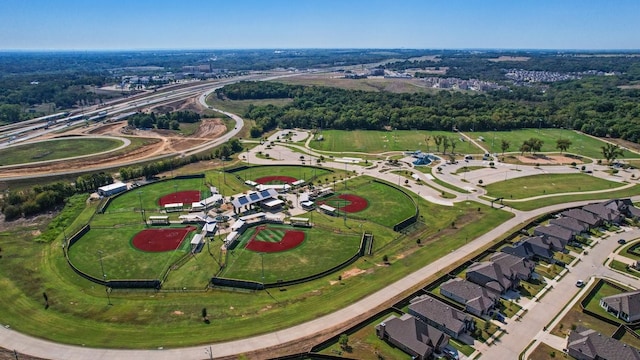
x=290 y=240
x=280 y=179
x=356 y=203
x=186 y=197
x=158 y=240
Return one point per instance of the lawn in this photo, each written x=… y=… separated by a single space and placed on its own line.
x=550 y=271
x=531 y=288
x=56 y=149
x=632 y=251
x=602 y=290
x=372 y=141
x=620 y=266
x=580 y=144
x=546 y=184
x=546 y=352
x=321 y=250
x=508 y=308
x=561 y=199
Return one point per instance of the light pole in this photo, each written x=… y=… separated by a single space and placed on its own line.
x=493 y=140
x=539 y=125
x=262 y=261
x=141 y=208
x=104 y=277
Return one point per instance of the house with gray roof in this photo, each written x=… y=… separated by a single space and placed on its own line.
x=607 y=214
x=534 y=247
x=625 y=306
x=554 y=231
x=412 y=336
x=502 y=273
x=476 y=299
x=626 y=207
x=583 y=216
x=444 y=317
x=571 y=224
x=587 y=344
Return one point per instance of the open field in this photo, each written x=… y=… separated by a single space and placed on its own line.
x=546 y=201
x=546 y=352
x=545 y=184
x=580 y=144
x=321 y=250
x=371 y=84
x=372 y=141
x=56 y=149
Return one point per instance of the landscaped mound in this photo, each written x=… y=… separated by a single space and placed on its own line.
x=273 y=241
x=355 y=203
x=159 y=240
x=185 y=197
x=276 y=180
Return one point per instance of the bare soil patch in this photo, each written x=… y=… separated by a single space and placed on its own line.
x=548 y=159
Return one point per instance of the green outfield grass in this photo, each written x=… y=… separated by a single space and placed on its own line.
x=371 y=141
x=321 y=250
x=299 y=172
x=580 y=144
x=150 y=194
x=119 y=258
x=380 y=196
x=545 y=184
x=56 y=149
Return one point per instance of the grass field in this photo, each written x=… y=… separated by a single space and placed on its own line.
x=371 y=141
x=580 y=144
x=240 y=106
x=545 y=184
x=561 y=199
x=149 y=194
x=372 y=84
x=321 y=250
x=56 y=149
x=299 y=172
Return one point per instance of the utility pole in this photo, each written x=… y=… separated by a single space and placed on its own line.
x=104 y=278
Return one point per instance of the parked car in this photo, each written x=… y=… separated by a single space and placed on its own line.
x=622 y=241
x=579 y=283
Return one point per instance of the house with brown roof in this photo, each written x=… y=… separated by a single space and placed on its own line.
x=412 y=336
x=476 y=299
x=444 y=317
x=587 y=344
x=625 y=306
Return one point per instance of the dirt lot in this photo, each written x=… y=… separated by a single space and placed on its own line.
x=548 y=159
x=158 y=142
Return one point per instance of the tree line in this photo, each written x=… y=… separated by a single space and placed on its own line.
x=167 y=121
x=595 y=105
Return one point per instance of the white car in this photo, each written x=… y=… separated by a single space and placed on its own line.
x=579 y=283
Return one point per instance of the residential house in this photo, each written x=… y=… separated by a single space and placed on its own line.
x=587 y=344
x=535 y=247
x=625 y=306
x=555 y=231
x=502 y=273
x=583 y=216
x=412 y=336
x=571 y=224
x=608 y=214
x=476 y=299
x=443 y=317
x=627 y=208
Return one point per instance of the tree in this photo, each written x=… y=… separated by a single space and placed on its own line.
x=452 y=142
x=611 y=152
x=445 y=144
x=344 y=341
x=438 y=140
x=563 y=144
x=504 y=146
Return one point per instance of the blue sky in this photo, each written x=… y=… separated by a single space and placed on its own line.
x=238 y=24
